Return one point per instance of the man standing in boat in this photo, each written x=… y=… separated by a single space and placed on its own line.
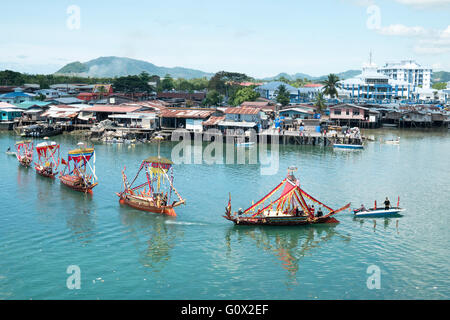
x=319 y=212
x=387 y=204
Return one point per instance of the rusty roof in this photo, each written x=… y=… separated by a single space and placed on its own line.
x=186 y=113
x=243 y=110
x=213 y=120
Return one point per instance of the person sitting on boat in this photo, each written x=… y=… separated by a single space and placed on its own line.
x=240 y=211
x=387 y=204
x=363 y=208
x=319 y=212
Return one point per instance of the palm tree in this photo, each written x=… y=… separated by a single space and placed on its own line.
x=320 y=102
x=331 y=85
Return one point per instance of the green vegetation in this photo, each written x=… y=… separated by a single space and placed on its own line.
x=166 y=84
x=439 y=85
x=12 y=78
x=320 y=102
x=213 y=98
x=283 y=95
x=244 y=94
x=331 y=85
x=131 y=84
x=74 y=67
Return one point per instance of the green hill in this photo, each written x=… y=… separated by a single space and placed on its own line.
x=110 y=67
x=441 y=76
x=341 y=75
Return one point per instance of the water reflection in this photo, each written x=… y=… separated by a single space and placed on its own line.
x=23 y=177
x=386 y=222
x=80 y=218
x=287 y=244
x=153 y=237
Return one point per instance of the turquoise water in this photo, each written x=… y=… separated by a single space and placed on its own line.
x=128 y=254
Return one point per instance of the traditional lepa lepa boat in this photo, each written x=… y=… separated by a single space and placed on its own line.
x=24 y=152
x=156 y=193
x=288 y=208
x=80 y=174
x=48 y=159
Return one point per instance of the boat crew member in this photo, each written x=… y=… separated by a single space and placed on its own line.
x=363 y=208
x=312 y=209
x=319 y=213
x=9 y=149
x=387 y=204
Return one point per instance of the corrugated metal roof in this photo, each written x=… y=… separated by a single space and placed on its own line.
x=186 y=113
x=212 y=121
x=113 y=108
x=243 y=110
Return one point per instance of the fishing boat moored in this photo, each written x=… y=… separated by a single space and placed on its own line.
x=24 y=152
x=289 y=208
x=80 y=175
x=48 y=159
x=156 y=192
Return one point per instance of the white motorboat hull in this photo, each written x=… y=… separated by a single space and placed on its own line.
x=378 y=213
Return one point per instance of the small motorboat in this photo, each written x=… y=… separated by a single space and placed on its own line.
x=348 y=146
x=378 y=213
x=393 y=142
x=245 y=144
x=10 y=153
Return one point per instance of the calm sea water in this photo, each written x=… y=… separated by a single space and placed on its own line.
x=128 y=254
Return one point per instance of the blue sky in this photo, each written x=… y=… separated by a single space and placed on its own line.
x=261 y=38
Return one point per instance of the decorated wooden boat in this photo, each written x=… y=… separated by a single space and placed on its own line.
x=156 y=193
x=24 y=152
x=292 y=207
x=80 y=175
x=48 y=159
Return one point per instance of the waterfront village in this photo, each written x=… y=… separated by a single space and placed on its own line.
x=395 y=95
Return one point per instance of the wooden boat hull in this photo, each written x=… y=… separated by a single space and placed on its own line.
x=73 y=183
x=141 y=205
x=281 y=221
x=378 y=213
x=25 y=162
x=45 y=173
x=348 y=146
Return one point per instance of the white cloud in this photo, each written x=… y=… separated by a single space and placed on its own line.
x=402 y=30
x=425 y=3
x=437 y=43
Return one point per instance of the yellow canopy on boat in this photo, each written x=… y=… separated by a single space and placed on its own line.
x=77 y=151
x=158 y=160
x=24 y=141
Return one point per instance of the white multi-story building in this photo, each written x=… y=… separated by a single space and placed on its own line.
x=409 y=71
x=373 y=85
